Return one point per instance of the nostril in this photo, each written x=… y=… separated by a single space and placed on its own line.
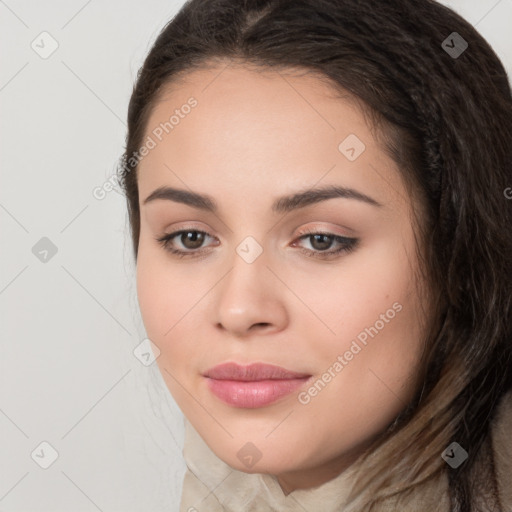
x=260 y=325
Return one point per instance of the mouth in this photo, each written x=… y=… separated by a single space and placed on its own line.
x=252 y=386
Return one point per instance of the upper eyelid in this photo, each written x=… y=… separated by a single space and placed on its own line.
x=196 y=226
x=306 y=231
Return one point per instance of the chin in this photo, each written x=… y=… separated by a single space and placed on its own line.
x=270 y=459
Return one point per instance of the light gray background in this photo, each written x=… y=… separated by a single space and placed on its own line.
x=69 y=325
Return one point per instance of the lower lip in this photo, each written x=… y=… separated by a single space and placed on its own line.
x=253 y=394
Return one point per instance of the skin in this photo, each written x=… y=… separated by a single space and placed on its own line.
x=254 y=136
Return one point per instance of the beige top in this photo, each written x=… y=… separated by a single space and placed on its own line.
x=210 y=485
x=238 y=491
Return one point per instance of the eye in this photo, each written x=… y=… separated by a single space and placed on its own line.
x=193 y=239
x=321 y=241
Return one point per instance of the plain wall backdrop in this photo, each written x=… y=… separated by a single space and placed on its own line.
x=112 y=436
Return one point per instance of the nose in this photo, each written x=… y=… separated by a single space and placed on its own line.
x=250 y=299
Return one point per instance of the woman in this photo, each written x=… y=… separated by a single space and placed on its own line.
x=316 y=199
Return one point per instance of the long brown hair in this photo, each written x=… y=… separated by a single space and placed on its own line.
x=446 y=119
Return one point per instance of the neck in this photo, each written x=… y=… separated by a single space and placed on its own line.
x=316 y=476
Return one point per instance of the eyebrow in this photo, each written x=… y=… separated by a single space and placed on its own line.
x=282 y=204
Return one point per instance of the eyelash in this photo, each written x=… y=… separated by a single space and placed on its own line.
x=347 y=244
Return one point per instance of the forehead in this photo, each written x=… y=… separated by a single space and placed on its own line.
x=271 y=99
x=251 y=127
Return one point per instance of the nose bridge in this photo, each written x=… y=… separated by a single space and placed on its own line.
x=249 y=273
x=249 y=293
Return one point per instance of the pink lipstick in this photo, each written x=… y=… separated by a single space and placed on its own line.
x=252 y=386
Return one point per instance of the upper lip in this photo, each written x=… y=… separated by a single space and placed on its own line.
x=252 y=372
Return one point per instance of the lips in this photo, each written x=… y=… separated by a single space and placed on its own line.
x=253 y=386
x=253 y=372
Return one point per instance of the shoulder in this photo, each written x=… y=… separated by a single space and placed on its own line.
x=502 y=448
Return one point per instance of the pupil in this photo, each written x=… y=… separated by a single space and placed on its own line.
x=193 y=236
x=325 y=245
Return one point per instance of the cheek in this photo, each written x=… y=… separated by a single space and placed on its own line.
x=157 y=294
x=150 y=297
x=168 y=302
x=377 y=380
x=372 y=296
x=375 y=311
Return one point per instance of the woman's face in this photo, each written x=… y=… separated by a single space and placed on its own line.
x=345 y=324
